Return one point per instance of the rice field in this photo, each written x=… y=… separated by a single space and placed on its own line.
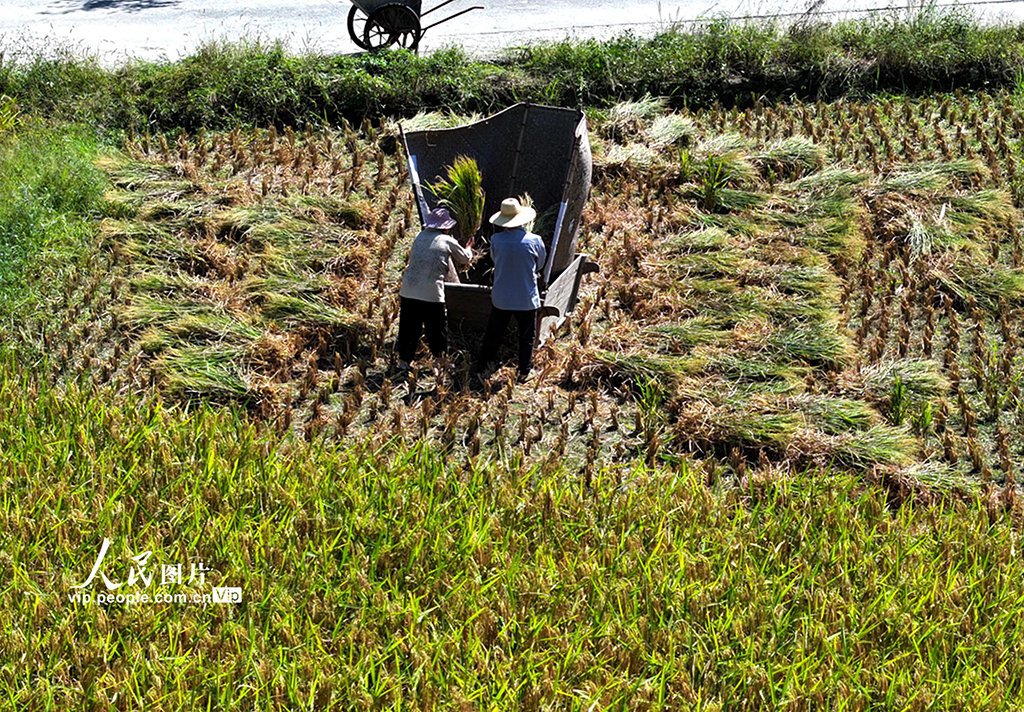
x=828 y=285
x=768 y=463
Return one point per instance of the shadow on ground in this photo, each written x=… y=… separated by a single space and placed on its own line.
x=69 y=6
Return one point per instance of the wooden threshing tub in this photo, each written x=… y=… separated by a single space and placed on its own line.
x=527 y=148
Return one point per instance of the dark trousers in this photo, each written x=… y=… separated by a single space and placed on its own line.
x=497 y=324
x=416 y=316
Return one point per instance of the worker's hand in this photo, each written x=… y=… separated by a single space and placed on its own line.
x=471 y=242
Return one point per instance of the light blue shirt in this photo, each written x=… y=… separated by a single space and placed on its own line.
x=518 y=256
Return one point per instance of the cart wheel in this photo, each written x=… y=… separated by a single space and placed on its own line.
x=357 y=26
x=394 y=23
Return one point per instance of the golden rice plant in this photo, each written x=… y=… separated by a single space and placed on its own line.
x=462 y=193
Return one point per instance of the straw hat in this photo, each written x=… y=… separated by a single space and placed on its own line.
x=512 y=214
x=439 y=219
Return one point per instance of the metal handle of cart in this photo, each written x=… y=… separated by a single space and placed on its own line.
x=452 y=17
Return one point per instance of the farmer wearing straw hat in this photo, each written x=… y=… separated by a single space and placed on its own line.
x=519 y=256
x=422 y=293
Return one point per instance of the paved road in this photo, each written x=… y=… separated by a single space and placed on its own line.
x=153 y=29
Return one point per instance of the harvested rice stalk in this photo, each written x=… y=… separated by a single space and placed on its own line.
x=463 y=194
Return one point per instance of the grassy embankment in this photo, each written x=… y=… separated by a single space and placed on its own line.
x=258 y=84
x=715 y=494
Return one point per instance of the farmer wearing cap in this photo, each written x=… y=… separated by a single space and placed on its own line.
x=422 y=293
x=519 y=256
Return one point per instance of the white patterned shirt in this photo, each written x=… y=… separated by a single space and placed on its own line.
x=428 y=265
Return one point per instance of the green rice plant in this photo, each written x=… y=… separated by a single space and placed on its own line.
x=155 y=340
x=912 y=181
x=671 y=130
x=382 y=531
x=629 y=116
x=991 y=206
x=651 y=396
x=634 y=367
x=154 y=244
x=835 y=237
x=818 y=343
x=879 y=444
x=208 y=328
x=146 y=310
x=963 y=169
x=159 y=180
x=825 y=182
x=919 y=238
x=152 y=281
x=169 y=209
x=823 y=211
x=706 y=239
x=298 y=311
x=738 y=224
x=204 y=371
x=303 y=259
x=899 y=404
x=354 y=214
x=750 y=423
x=296 y=284
x=713 y=192
x=725 y=155
x=118 y=205
x=721 y=295
x=731 y=199
x=637 y=155
x=236 y=223
x=211 y=327
x=718 y=263
x=544 y=223
x=282 y=232
x=936 y=476
x=789 y=157
x=463 y=194
x=740 y=368
x=434 y=120
x=832 y=415
x=802 y=280
x=427 y=547
x=989 y=284
x=920 y=380
x=704 y=330
x=526 y=200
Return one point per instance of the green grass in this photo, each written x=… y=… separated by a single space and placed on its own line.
x=258 y=82
x=49 y=187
